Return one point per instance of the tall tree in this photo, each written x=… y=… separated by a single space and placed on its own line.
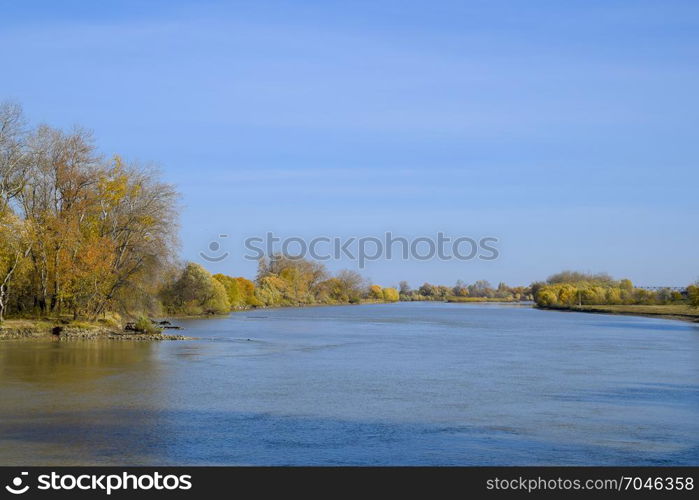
x=14 y=249
x=13 y=166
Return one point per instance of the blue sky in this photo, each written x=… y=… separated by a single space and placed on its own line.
x=568 y=130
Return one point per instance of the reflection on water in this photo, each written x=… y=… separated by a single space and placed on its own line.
x=385 y=384
x=49 y=388
x=55 y=362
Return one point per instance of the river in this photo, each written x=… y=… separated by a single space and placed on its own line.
x=393 y=384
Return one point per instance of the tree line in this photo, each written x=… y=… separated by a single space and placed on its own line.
x=570 y=288
x=463 y=292
x=282 y=281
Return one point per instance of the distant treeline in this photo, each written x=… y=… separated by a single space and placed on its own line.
x=570 y=288
x=563 y=290
x=461 y=291
x=284 y=281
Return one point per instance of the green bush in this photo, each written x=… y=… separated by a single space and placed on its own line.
x=144 y=325
x=194 y=292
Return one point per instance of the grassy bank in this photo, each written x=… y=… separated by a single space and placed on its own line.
x=670 y=311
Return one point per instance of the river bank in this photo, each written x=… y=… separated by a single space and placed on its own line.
x=676 y=312
x=29 y=329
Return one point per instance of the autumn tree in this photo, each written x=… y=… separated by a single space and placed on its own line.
x=390 y=294
x=14 y=237
x=139 y=218
x=14 y=249
x=232 y=289
x=13 y=159
x=375 y=292
x=96 y=234
x=195 y=291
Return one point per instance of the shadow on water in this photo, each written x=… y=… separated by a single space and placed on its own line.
x=133 y=437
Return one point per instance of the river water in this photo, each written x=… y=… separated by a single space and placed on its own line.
x=398 y=384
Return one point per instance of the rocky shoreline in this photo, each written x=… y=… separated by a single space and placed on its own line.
x=68 y=333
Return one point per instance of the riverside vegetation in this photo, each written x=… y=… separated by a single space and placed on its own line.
x=572 y=291
x=282 y=281
x=81 y=237
x=600 y=293
x=88 y=241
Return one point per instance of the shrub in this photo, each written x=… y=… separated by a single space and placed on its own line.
x=144 y=325
x=376 y=292
x=195 y=291
x=390 y=295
